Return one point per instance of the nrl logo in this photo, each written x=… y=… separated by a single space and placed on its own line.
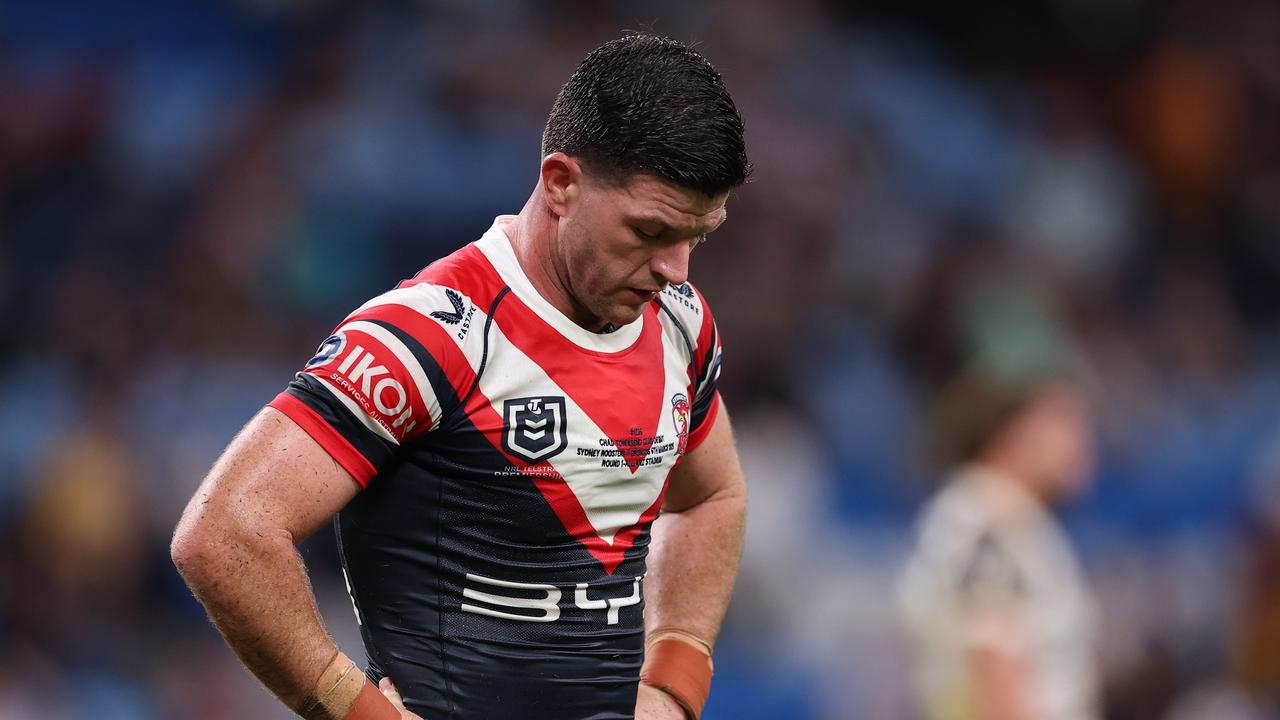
x=534 y=427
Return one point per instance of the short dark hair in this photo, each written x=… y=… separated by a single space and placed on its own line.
x=644 y=103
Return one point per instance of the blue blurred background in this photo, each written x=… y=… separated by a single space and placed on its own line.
x=193 y=194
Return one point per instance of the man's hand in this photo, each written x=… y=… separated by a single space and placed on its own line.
x=653 y=704
x=388 y=689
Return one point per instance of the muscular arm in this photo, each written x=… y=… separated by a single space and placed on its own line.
x=272 y=487
x=697 y=541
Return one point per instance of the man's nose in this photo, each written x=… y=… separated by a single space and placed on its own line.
x=671 y=263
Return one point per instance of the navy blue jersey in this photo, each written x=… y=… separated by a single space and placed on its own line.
x=512 y=463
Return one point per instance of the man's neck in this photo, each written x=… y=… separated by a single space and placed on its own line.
x=1014 y=474
x=533 y=240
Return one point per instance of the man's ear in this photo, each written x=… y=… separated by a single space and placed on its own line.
x=561 y=180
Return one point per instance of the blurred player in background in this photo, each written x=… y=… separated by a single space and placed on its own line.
x=996 y=604
x=497 y=436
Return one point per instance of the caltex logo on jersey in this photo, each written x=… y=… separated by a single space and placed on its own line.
x=534 y=427
x=680 y=418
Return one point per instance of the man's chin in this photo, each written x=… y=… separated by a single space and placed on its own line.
x=624 y=315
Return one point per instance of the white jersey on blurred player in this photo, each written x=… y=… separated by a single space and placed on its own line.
x=992 y=570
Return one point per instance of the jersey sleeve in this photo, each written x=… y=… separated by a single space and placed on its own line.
x=385 y=377
x=990 y=575
x=706 y=376
x=992 y=594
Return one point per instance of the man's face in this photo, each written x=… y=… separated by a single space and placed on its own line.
x=621 y=245
x=1055 y=430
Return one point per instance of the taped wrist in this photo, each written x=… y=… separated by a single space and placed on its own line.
x=344 y=693
x=679 y=664
x=371 y=704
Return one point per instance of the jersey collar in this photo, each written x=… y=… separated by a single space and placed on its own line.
x=496 y=246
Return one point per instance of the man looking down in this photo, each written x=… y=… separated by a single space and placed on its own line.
x=496 y=437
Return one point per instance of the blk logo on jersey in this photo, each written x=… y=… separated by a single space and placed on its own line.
x=534 y=427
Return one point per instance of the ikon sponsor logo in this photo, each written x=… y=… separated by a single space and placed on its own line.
x=534 y=427
x=375 y=388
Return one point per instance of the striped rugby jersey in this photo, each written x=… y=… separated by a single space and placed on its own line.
x=512 y=464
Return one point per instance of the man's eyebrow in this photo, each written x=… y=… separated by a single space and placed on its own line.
x=652 y=219
x=644 y=217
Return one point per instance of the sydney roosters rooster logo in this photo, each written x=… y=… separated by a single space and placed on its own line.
x=680 y=418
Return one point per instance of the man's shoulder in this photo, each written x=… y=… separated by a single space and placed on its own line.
x=465 y=270
x=445 y=295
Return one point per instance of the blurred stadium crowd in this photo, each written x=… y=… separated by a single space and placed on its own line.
x=193 y=194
